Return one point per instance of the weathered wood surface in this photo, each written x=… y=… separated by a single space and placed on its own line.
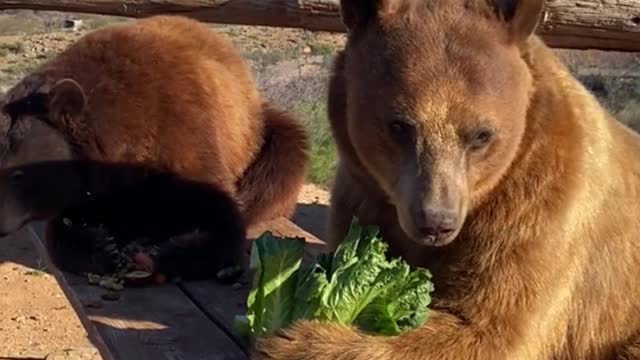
x=207 y=294
x=600 y=24
x=576 y=24
x=308 y=14
x=190 y=320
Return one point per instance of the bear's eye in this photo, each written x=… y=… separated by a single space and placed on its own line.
x=479 y=138
x=402 y=130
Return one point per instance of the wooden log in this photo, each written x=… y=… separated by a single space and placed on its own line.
x=597 y=24
x=572 y=24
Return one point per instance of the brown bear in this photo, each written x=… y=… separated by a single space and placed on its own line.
x=153 y=129
x=483 y=159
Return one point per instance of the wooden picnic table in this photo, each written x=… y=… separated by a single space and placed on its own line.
x=184 y=320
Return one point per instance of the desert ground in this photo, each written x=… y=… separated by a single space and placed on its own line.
x=36 y=320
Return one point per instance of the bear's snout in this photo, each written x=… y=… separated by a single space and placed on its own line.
x=435 y=226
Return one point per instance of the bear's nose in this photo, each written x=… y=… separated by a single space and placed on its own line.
x=436 y=222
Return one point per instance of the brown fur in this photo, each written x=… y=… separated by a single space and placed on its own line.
x=150 y=130
x=546 y=260
x=197 y=111
x=270 y=186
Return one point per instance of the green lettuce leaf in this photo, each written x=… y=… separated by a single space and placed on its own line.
x=355 y=285
x=356 y=279
x=402 y=306
x=310 y=296
x=271 y=300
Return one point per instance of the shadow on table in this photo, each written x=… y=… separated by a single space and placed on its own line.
x=63 y=180
x=184 y=321
x=17 y=249
x=313 y=218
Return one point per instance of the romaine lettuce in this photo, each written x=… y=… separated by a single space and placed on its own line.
x=355 y=285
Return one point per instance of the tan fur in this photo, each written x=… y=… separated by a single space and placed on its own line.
x=170 y=93
x=546 y=263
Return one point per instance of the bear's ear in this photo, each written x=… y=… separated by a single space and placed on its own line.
x=519 y=16
x=356 y=13
x=66 y=100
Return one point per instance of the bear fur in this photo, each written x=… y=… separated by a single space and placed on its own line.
x=153 y=128
x=455 y=109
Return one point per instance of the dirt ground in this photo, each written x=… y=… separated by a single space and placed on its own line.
x=35 y=318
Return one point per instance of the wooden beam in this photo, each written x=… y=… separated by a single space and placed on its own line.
x=596 y=24
x=572 y=24
x=320 y=15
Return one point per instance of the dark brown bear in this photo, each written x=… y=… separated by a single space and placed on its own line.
x=483 y=159
x=152 y=129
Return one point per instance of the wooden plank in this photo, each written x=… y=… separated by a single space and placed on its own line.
x=207 y=294
x=573 y=24
x=145 y=323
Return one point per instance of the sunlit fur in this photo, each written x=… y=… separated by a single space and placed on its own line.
x=545 y=264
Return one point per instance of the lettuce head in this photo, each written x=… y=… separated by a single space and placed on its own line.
x=357 y=285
